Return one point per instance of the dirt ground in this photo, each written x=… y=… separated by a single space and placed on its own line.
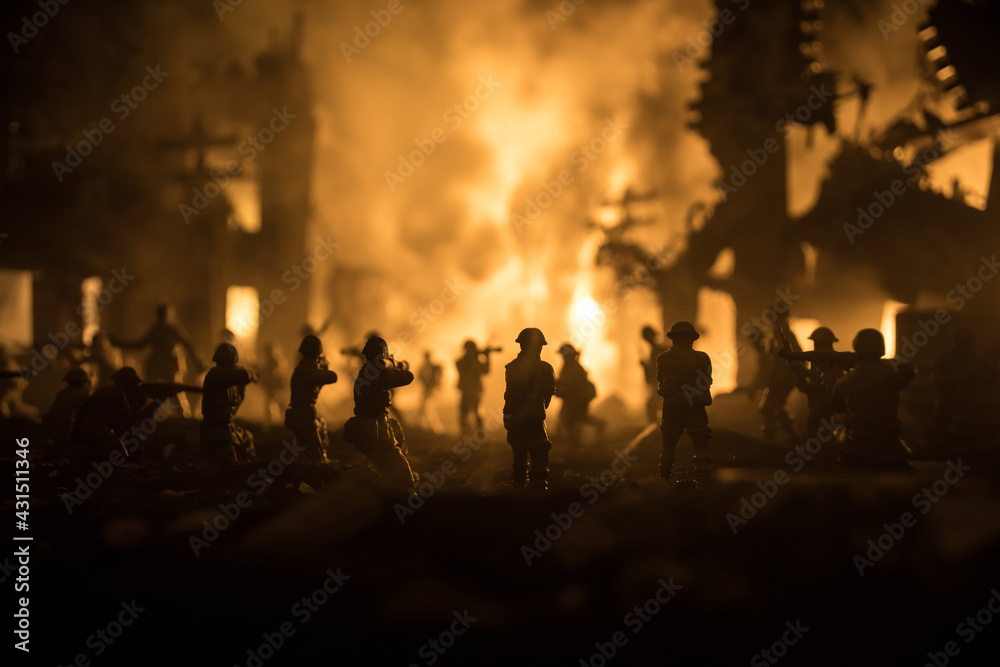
x=327 y=565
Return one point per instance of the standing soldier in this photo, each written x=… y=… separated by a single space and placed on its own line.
x=684 y=377
x=869 y=397
x=60 y=417
x=656 y=348
x=430 y=379
x=472 y=366
x=826 y=366
x=273 y=379
x=530 y=385
x=781 y=380
x=370 y=429
x=166 y=340
x=224 y=391
x=308 y=378
x=576 y=391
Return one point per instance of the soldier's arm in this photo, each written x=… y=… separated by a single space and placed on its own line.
x=549 y=384
x=320 y=376
x=131 y=344
x=390 y=378
x=232 y=377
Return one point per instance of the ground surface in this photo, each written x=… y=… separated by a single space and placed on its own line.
x=735 y=582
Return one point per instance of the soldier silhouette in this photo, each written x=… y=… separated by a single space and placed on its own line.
x=656 y=348
x=224 y=391
x=576 y=391
x=868 y=395
x=108 y=415
x=104 y=357
x=684 y=378
x=780 y=380
x=530 y=386
x=308 y=378
x=66 y=406
x=370 y=429
x=170 y=350
x=817 y=382
x=273 y=379
x=429 y=375
x=958 y=373
x=472 y=366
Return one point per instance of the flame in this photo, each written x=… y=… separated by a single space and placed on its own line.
x=889 y=311
x=242 y=313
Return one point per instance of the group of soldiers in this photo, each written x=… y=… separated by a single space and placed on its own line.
x=860 y=385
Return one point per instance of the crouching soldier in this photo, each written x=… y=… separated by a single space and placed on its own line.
x=308 y=378
x=370 y=429
x=530 y=385
x=224 y=391
x=684 y=376
x=869 y=397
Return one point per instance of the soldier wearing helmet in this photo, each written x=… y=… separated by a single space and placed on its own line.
x=472 y=366
x=370 y=429
x=868 y=396
x=656 y=348
x=224 y=391
x=60 y=417
x=530 y=384
x=684 y=378
x=105 y=418
x=576 y=391
x=309 y=377
x=826 y=366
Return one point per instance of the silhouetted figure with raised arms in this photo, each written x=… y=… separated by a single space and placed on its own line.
x=370 y=429
x=576 y=390
x=684 y=379
x=868 y=396
x=656 y=348
x=958 y=373
x=224 y=391
x=531 y=383
x=780 y=381
x=170 y=350
x=429 y=375
x=472 y=366
x=826 y=366
x=309 y=377
x=66 y=406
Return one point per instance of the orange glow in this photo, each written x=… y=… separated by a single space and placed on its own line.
x=242 y=312
x=889 y=311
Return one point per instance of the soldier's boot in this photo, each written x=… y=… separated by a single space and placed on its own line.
x=702 y=458
x=520 y=468
x=670 y=439
x=539 y=474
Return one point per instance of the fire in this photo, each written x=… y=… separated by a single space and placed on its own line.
x=889 y=311
x=242 y=313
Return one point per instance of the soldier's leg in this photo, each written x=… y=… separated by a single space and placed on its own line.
x=324 y=438
x=397 y=433
x=671 y=434
x=519 y=469
x=243 y=445
x=539 y=450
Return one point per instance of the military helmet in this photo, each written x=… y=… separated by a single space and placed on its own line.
x=683 y=330
x=76 y=375
x=531 y=335
x=470 y=346
x=648 y=333
x=311 y=346
x=226 y=355
x=823 y=335
x=375 y=348
x=568 y=350
x=126 y=375
x=869 y=344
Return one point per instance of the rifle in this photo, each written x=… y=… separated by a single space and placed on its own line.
x=165 y=389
